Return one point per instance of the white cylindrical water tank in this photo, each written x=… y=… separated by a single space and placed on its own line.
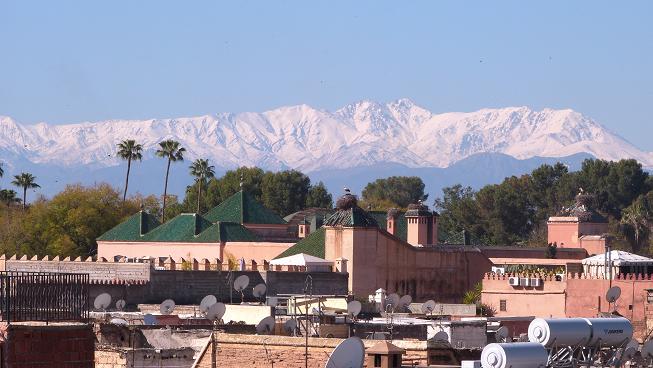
x=514 y=355
x=610 y=331
x=559 y=331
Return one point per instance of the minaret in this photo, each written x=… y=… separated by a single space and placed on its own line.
x=422 y=225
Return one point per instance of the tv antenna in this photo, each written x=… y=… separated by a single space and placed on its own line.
x=392 y=300
x=629 y=351
x=120 y=304
x=290 y=326
x=354 y=308
x=501 y=335
x=404 y=302
x=647 y=351
x=259 y=291
x=349 y=353
x=216 y=311
x=240 y=283
x=149 y=320
x=441 y=336
x=102 y=302
x=206 y=303
x=428 y=307
x=167 y=306
x=265 y=326
x=613 y=294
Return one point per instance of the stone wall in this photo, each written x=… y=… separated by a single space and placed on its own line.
x=113 y=357
x=98 y=271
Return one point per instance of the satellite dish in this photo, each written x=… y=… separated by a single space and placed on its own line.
x=647 y=350
x=349 y=353
x=289 y=326
x=149 y=320
x=272 y=301
x=207 y=302
x=216 y=311
x=120 y=304
x=241 y=282
x=441 y=336
x=630 y=350
x=501 y=335
x=102 y=301
x=119 y=321
x=405 y=301
x=259 y=290
x=266 y=326
x=613 y=294
x=167 y=306
x=428 y=307
x=354 y=307
x=392 y=300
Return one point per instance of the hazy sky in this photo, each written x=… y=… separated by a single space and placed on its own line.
x=76 y=61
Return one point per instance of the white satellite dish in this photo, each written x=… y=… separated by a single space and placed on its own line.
x=354 y=308
x=259 y=291
x=272 y=301
x=441 y=336
x=149 y=320
x=216 y=311
x=167 y=306
x=392 y=300
x=241 y=282
x=647 y=350
x=207 y=302
x=405 y=301
x=289 y=326
x=501 y=335
x=349 y=353
x=119 y=321
x=120 y=304
x=428 y=307
x=265 y=326
x=613 y=294
x=102 y=301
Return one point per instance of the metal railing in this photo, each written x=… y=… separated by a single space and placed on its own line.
x=44 y=296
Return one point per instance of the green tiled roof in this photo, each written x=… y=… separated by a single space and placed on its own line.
x=243 y=209
x=131 y=228
x=401 y=225
x=351 y=217
x=186 y=228
x=312 y=245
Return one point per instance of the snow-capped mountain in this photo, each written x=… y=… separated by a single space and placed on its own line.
x=360 y=134
x=351 y=146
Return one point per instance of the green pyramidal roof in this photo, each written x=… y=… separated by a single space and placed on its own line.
x=243 y=209
x=136 y=225
x=312 y=245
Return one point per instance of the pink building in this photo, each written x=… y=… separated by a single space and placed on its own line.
x=579 y=226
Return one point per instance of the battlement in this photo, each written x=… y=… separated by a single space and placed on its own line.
x=569 y=276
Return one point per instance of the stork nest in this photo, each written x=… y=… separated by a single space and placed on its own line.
x=346 y=202
x=392 y=213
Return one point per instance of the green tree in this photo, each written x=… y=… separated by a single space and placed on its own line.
x=459 y=211
x=202 y=171
x=637 y=218
x=318 y=196
x=8 y=197
x=25 y=181
x=400 y=191
x=129 y=150
x=285 y=192
x=173 y=152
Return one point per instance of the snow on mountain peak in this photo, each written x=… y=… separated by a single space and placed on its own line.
x=359 y=134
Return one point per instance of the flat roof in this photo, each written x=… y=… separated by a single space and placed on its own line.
x=533 y=261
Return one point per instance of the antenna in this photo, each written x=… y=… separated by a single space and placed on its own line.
x=266 y=326
x=428 y=307
x=119 y=321
x=167 y=306
x=441 y=336
x=216 y=311
x=501 y=335
x=647 y=350
x=149 y=320
x=613 y=294
x=102 y=302
x=630 y=350
x=290 y=326
x=120 y=304
x=405 y=301
x=240 y=283
x=349 y=353
x=392 y=300
x=207 y=302
x=259 y=291
x=354 y=308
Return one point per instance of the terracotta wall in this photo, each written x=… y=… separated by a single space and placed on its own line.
x=547 y=300
x=539 y=252
x=258 y=251
x=377 y=259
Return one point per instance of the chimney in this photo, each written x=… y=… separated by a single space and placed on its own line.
x=422 y=227
x=143 y=223
x=304 y=228
x=391 y=224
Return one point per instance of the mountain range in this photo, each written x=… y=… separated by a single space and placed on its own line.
x=350 y=146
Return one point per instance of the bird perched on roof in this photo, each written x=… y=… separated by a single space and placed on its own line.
x=347 y=191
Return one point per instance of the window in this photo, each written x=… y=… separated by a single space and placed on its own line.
x=377 y=360
x=649 y=296
x=502 y=305
x=396 y=360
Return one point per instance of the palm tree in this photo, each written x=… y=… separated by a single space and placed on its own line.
x=129 y=150
x=25 y=181
x=173 y=152
x=202 y=171
x=636 y=216
x=8 y=197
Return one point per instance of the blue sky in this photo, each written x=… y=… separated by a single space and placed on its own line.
x=72 y=61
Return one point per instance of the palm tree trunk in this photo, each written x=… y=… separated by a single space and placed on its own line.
x=165 y=194
x=199 y=194
x=129 y=164
x=24 y=197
